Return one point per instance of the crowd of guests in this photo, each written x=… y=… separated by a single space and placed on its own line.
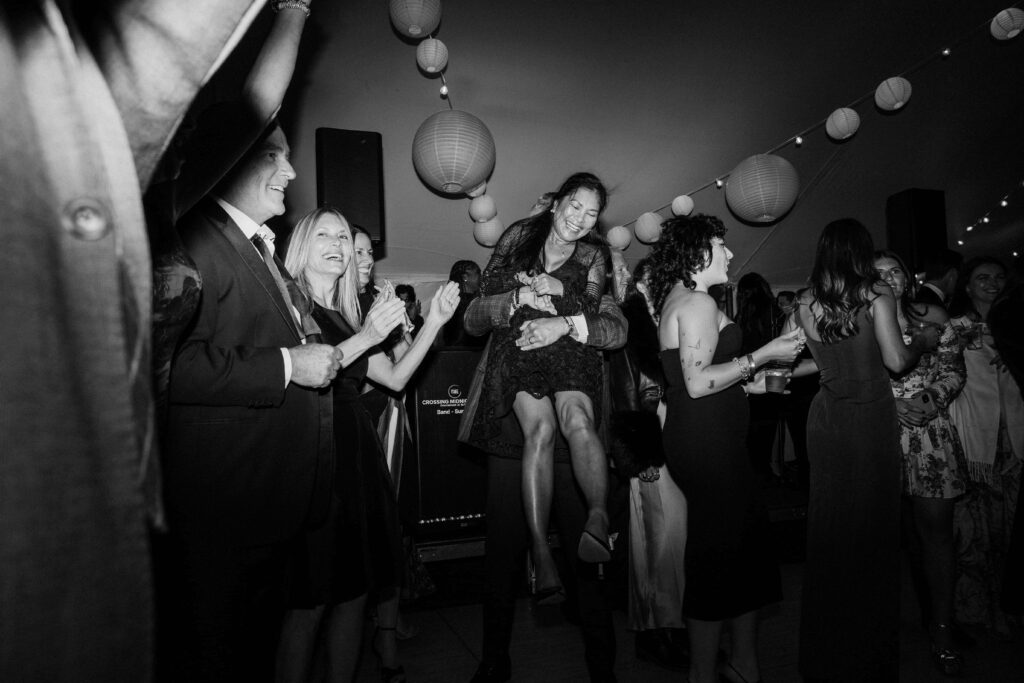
x=277 y=373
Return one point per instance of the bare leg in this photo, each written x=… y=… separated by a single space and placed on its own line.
x=298 y=640
x=933 y=519
x=537 y=418
x=344 y=638
x=704 y=637
x=589 y=462
x=743 y=659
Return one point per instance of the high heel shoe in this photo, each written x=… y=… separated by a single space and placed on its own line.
x=946 y=659
x=387 y=674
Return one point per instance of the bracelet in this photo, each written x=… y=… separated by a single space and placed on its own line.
x=751 y=365
x=744 y=366
x=279 y=5
x=515 y=298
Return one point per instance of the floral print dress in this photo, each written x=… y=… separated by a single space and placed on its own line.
x=933 y=458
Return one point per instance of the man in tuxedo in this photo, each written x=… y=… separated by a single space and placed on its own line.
x=941 y=271
x=248 y=462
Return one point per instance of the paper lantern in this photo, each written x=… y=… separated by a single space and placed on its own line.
x=1007 y=24
x=415 y=18
x=432 y=55
x=842 y=123
x=619 y=237
x=682 y=205
x=478 y=190
x=482 y=208
x=762 y=188
x=488 y=232
x=453 y=151
x=648 y=227
x=892 y=93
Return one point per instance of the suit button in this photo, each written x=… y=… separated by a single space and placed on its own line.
x=86 y=219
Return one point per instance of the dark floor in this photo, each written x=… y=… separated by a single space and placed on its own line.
x=545 y=647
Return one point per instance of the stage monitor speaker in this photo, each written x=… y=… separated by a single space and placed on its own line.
x=915 y=222
x=350 y=177
x=445 y=488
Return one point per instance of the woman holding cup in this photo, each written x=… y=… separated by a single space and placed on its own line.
x=730 y=572
x=934 y=468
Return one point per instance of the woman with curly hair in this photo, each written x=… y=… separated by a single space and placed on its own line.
x=849 y=626
x=934 y=468
x=730 y=570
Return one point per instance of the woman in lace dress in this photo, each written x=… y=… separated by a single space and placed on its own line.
x=558 y=276
x=934 y=469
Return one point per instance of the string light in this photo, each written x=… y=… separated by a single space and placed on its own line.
x=799 y=138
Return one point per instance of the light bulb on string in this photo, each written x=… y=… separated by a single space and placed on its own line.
x=960 y=242
x=946 y=52
x=798 y=140
x=970 y=227
x=984 y=219
x=718 y=183
x=1015 y=254
x=444 y=91
x=1004 y=203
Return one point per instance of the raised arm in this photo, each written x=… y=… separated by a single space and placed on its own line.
x=896 y=356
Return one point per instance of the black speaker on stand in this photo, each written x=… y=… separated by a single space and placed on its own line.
x=915 y=223
x=350 y=177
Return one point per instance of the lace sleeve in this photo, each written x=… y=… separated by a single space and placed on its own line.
x=585 y=296
x=500 y=275
x=950 y=369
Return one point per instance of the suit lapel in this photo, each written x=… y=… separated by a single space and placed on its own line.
x=254 y=264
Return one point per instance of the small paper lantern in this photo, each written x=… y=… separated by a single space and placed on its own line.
x=619 y=237
x=432 y=55
x=453 y=151
x=762 y=188
x=648 y=227
x=842 y=123
x=488 y=232
x=682 y=205
x=482 y=208
x=892 y=93
x=415 y=18
x=1007 y=24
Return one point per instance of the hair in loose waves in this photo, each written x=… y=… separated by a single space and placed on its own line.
x=683 y=249
x=842 y=278
x=345 y=297
x=536 y=228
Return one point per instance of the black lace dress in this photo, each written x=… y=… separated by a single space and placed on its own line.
x=566 y=365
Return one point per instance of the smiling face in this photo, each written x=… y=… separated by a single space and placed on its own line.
x=257 y=185
x=330 y=249
x=575 y=215
x=892 y=273
x=985 y=284
x=364 y=258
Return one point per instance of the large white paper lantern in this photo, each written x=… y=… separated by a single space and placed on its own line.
x=682 y=205
x=1007 y=24
x=892 y=93
x=488 y=232
x=648 y=227
x=432 y=55
x=842 y=123
x=619 y=237
x=453 y=151
x=762 y=188
x=482 y=208
x=415 y=18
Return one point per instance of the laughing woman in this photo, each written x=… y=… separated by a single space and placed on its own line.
x=350 y=555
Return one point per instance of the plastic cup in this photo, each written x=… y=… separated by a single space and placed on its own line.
x=776 y=377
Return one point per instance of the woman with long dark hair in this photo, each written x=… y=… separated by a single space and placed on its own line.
x=934 y=469
x=989 y=416
x=849 y=627
x=558 y=275
x=730 y=566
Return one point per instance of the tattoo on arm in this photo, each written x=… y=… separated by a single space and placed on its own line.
x=711 y=384
x=698 y=363
x=695 y=346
